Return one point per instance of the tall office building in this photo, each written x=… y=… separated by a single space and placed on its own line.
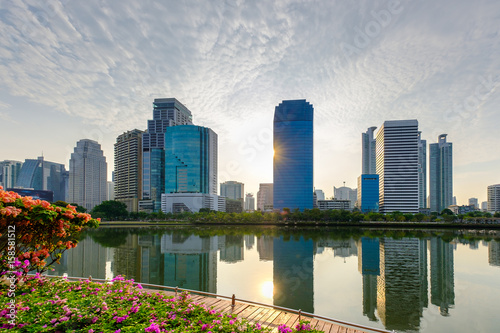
x=397 y=166
x=346 y=193
x=190 y=169
x=293 y=155
x=441 y=174
x=88 y=174
x=9 y=171
x=494 y=198
x=40 y=174
x=167 y=112
x=249 y=202
x=232 y=190
x=265 y=197
x=484 y=206
x=368 y=193
x=368 y=157
x=422 y=172
x=128 y=169
x=474 y=202
x=320 y=195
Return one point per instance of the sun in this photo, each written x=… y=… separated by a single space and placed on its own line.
x=267 y=289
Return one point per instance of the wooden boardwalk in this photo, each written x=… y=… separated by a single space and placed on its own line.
x=266 y=316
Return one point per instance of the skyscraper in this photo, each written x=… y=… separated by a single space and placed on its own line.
x=232 y=190
x=249 y=202
x=128 y=170
x=167 y=112
x=87 y=174
x=9 y=171
x=494 y=198
x=440 y=174
x=190 y=169
x=190 y=160
x=368 y=193
x=40 y=174
x=265 y=197
x=422 y=172
x=293 y=155
x=368 y=157
x=397 y=166
x=474 y=202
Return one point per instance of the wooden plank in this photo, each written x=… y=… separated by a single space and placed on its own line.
x=262 y=315
x=282 y=318
x=292 y=320
x=270 y=318
x=247 y=312
x=211 y=302
x=254 y=314
x=239 y=307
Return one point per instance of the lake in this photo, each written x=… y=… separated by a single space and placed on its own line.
x=410 y=280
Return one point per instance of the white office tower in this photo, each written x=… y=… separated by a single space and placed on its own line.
x=494 y=198
x=87 y=174
x=397 y=166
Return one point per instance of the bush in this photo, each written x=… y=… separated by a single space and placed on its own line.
x=57 y=305
x=34 y=233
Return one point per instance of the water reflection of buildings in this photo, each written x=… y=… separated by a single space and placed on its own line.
x=293 y=270
x=341 y=248
x=442 y=275
x=369 y=267
x=231 y=248
x=402 y=284
x=265 y=248
x=190 y=262
x=494 y=253
x=249 y=241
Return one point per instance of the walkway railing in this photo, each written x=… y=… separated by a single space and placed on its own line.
x=234 y=299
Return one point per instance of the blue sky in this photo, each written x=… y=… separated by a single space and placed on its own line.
x=91 y=69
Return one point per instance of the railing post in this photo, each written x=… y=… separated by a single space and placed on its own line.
x=233 y=299
x=300 y=314
x=176 y=291
x=90 y=278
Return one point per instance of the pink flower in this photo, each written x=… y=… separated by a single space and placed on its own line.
x=153 y=328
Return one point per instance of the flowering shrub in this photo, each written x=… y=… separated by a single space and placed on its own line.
x=56 y=305
x=34 y=233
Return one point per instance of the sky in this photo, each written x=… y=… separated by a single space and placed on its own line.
x=91 y=69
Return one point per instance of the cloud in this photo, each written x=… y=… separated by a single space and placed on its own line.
x=232 y=62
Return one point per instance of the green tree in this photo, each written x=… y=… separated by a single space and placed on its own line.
x=110 y=210
x=497 y=214
x=447 y=211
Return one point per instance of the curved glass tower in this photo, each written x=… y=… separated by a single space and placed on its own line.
x=190 y=160
x=293 y=155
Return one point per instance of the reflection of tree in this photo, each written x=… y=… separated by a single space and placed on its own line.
x=110 y=237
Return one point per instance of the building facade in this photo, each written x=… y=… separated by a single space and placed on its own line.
x=346 y=193
x=9 y=171
x=474 y=202
x=293 y=155
x=265 y=197
x=88 y=174
x=440 y=174
x=397 y=166
x=249 y=202
x=334 y=204
x=43 y=175
x=191 y=202
x=368 y=193
x=494 y=198
x=190 y=160
x=128 y=169
x=232 y=190
x=368 y=146
x=422 y=172
x=167 y=112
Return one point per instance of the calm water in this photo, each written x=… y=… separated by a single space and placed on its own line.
x=408 y=281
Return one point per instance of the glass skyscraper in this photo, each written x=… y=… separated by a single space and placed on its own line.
x=440 y=174
x=44 y=175
x=422 y=172
x=190 y=160
x=293 y=155
x=368 y=193
x=167 y=112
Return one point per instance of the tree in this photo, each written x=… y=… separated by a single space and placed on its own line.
x=110 y=210
x=497 y=214
x=34 y=233
x=447 y=211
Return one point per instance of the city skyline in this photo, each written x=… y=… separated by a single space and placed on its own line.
x=81 y=72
